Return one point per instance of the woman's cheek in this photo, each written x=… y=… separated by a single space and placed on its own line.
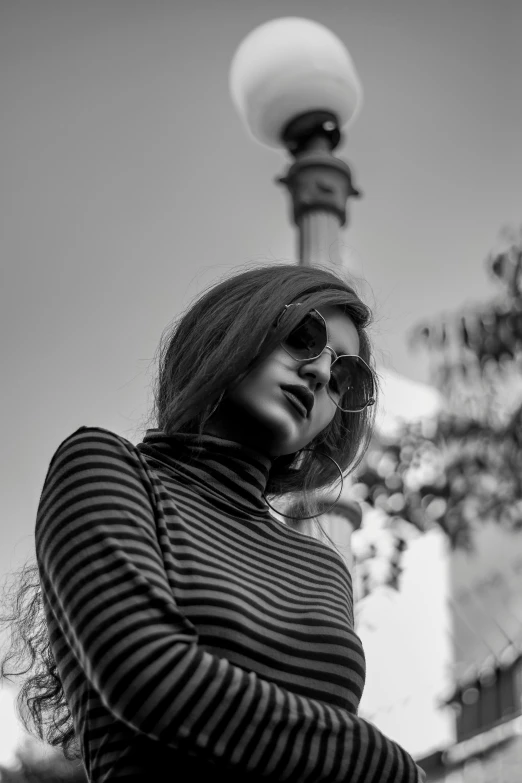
x=323 y=421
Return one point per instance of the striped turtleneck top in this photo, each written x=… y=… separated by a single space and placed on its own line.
x=197 y=637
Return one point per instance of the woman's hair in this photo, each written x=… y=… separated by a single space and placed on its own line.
x=223 y=335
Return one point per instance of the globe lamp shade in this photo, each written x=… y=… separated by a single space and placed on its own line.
x=286 y=68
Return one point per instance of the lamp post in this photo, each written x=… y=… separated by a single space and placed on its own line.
x=295 y=87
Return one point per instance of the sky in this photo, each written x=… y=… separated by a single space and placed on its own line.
x=129 y=185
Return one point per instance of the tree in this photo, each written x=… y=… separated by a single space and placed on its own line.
x=466 y=466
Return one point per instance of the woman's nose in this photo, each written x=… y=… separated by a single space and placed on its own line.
x=318 y=368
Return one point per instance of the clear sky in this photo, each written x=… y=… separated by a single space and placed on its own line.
x=129 y=184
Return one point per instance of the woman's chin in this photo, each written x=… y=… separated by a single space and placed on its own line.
x=281 y=433
x=272 y=428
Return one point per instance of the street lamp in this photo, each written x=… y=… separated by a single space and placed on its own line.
x=294 y=85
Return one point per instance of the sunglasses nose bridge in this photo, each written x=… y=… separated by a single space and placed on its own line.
x=333 y=358
x=332 y=353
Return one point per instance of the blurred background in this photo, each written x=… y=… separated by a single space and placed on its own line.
x=129 y=185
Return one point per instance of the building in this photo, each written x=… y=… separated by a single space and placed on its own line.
x=486 y=696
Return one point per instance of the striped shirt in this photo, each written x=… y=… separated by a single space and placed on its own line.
x=196 y=636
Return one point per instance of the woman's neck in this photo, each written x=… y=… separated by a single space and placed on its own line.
x=234 y=473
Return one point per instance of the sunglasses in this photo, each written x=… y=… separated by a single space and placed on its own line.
x=351 y=386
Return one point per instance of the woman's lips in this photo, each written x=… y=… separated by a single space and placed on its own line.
x=298 y=405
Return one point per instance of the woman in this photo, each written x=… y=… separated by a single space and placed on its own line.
x=191 y=634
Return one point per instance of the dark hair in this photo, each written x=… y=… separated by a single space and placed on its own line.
x=224 y=334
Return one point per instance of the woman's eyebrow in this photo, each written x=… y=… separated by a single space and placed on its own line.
x=341 y=350
x=345 y=352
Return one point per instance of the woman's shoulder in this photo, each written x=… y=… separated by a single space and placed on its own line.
x=87 y=440
x=86 y=433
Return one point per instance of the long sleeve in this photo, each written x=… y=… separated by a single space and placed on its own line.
x=100 y=558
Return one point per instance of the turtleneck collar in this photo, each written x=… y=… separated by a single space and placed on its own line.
x=234 y=475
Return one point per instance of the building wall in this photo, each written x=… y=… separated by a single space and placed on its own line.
x=500 y=764
x=485 y=601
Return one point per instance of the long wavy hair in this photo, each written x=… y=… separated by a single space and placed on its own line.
x=223 y=335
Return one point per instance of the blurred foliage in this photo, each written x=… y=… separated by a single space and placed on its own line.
x=458 y=473
x=465 y=466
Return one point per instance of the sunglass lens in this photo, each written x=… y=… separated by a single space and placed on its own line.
x=352 y=382
x=308 y=338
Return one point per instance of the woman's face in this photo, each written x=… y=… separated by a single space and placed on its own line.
x=259 y=413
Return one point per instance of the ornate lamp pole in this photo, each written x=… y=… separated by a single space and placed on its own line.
x=295 y=87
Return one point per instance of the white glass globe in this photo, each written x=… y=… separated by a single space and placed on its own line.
x=287 y=67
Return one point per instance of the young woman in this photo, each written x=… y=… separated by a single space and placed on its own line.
x=190 y=634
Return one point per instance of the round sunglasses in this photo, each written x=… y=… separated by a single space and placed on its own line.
x=351 y=379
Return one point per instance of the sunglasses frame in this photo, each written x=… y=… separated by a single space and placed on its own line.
x=336 y=356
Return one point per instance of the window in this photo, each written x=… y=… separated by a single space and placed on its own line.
x=497 y=696
x=507 y=695
x=468 y=722
x=489 y=700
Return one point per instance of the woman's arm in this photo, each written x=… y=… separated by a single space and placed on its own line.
x=102 y=572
